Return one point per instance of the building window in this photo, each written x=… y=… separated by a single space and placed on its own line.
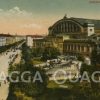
x=75 y=47
x=78 y=47
x=90 y=30
x=82 y=48
x=88 y=49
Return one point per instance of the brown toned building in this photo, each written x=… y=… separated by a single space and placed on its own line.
x=75 y=27
x=71 y=36
x=49 y=41
x=76 y=47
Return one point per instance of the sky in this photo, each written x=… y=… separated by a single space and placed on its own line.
x=36 y=16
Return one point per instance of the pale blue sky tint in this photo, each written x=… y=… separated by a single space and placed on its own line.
x=54 y=7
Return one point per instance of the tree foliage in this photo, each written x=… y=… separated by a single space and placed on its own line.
x=50 y=53
x=31 y=88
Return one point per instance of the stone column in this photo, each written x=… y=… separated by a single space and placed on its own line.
x=64 y=27
x=80 y=49
x=90 y=49
x=77 y=48
x=72 y=28
x=85 y=49
x=66 y=47
x=70 y=47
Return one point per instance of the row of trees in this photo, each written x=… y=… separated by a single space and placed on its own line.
x=28 y=89
x=39 y=91
x=95 y=57
x=46 y=53
x=90 y=90
x=6 y=47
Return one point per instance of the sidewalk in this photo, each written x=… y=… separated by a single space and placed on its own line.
x=4 y=65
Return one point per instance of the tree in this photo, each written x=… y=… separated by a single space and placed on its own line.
x=98 y=58
x=50 y=53
x=37 y=52
x=80 y=58
x=31 y=88
x=94 y=57
x=90 y=69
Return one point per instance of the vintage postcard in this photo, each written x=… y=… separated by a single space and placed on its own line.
x=49 y=49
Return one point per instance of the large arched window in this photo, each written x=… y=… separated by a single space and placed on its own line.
x=67 y=26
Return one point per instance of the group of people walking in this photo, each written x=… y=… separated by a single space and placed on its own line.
x=4 y=81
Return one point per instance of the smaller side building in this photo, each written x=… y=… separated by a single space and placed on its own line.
x=7 y=39
x=50 y=41
x=30 y=39
x=78 y=46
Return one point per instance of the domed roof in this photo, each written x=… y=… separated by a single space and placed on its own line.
x=65 y=25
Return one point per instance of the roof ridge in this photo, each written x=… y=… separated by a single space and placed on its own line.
x=84 y=18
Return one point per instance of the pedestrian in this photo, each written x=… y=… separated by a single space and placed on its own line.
x=4 y=81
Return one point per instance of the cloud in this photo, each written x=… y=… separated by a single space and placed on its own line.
x=32 y=25
x=17 y=20
x=15 y=12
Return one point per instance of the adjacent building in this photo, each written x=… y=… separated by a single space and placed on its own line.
x=7 y=39
x=2 y=40
x=31 y=38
